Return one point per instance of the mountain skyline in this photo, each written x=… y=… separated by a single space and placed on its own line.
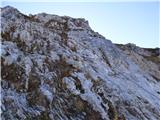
x=58 y=68
x=121 y=22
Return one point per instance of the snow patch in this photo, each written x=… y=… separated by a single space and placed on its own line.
x=47 y=92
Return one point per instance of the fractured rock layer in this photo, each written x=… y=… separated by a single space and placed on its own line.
x=58 y=68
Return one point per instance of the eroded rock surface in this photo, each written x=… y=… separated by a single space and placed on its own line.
x=58 y=68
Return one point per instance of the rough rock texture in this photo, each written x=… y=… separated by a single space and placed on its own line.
x=58 y=68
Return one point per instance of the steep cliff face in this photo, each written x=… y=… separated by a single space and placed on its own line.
x=58 y=68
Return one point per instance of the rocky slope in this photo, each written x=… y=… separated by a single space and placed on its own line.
x=58 y=68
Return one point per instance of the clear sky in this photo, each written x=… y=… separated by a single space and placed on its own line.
x=121 y=22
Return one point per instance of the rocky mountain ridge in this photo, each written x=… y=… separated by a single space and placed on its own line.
x=58 y=68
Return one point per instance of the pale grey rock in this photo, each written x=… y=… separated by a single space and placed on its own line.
x=58 y=68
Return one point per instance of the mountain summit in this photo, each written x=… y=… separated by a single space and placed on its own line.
x=58 y=68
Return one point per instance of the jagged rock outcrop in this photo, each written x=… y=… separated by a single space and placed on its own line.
x=58 y=68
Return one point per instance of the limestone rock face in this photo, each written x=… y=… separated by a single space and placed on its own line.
x=58 y=68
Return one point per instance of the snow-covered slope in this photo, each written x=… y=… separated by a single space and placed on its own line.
x=58 y=68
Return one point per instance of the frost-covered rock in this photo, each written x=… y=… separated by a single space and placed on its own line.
x=58 y=68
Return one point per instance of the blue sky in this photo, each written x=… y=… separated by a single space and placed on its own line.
x=121 y=22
